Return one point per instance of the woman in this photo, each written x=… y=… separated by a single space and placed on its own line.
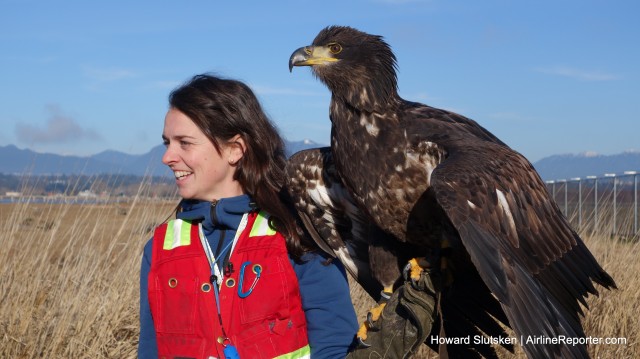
x=232 y=274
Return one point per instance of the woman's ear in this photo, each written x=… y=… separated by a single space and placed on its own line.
x=235 y=149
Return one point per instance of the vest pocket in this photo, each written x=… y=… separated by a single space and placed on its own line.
x=267 y=344
x=268 y=298
x=175 y=304
x=180 y=346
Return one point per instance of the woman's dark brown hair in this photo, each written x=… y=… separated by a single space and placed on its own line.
x=224 y=108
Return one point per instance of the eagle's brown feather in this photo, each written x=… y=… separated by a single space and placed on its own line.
x=423 y=177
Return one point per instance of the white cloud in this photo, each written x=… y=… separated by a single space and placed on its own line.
x=590 y=154
x=59 y=128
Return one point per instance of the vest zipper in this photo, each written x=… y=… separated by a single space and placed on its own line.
x=214 y=216
x=214 y=219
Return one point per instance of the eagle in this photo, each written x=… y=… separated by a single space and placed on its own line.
x=405 y=182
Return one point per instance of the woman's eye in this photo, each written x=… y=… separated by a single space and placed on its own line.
x=335 y=48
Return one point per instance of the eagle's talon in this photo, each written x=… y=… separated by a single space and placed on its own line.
x=370 y=323
x=362 y=343
x=370 y=320
x=362 y=336
x=414 y=269
x=374 y=314
x=405 y=271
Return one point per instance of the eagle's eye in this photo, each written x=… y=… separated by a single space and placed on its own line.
x=335 y=48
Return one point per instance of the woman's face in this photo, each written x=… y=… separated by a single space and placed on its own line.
x=201 y=172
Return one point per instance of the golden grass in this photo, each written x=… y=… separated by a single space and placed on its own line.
x=69 y=282
x=69 y=278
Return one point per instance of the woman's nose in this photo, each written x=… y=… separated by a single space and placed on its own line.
x=169 y=156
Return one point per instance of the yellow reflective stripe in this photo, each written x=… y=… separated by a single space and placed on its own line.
x=168 y=237
x=178 y=234
x=302 y=353
x=261 y=226
x=185 y=233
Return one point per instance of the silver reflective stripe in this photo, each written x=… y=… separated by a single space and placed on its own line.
x=178 y=234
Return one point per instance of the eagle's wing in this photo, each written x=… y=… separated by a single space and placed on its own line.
x=330 y=214
x=522 y=246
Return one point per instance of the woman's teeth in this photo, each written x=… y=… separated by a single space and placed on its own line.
x=181 y=174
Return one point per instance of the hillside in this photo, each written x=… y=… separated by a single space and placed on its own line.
x=24 y=161
x=586 y=164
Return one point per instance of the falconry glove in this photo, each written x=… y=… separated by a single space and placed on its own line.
x=405 y=322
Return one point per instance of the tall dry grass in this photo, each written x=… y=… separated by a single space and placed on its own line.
x=69 y=282
x=69 y=277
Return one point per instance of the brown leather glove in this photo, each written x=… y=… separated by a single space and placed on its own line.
x=405 y=322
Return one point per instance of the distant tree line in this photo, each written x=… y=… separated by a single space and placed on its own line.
x=72 y=185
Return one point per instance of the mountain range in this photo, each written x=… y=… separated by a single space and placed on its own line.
x=586 y=164
x=24 y=161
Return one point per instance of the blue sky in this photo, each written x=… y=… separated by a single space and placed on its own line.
x=547 y=77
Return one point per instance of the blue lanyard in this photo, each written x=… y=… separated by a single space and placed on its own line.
x=214 y=279
x=230 y=351
x=215 y=272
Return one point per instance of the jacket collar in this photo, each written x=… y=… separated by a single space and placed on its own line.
x=224 y=213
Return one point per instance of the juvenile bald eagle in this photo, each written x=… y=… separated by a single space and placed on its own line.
x=404 y=180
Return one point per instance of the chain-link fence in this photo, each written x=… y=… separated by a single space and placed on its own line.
x=600 y=204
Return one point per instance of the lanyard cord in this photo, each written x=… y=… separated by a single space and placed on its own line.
x=216 y=276
x=216 y=290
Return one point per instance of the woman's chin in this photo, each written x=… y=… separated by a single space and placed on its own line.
x=192 y=196
x=186 y=194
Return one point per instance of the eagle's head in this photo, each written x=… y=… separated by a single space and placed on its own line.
x=357 y=67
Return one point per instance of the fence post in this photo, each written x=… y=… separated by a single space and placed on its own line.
x=579 y=201
x=624 y=192
x=560 y=182
x=615 y=204
x=566 y=199
x=635 y=200
x=553 y=188
x=635 y=203
x=595 y=202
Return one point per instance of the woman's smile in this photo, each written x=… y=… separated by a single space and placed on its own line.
x=181 y=175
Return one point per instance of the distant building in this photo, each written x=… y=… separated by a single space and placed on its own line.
x=87 y=194
x=13 y=194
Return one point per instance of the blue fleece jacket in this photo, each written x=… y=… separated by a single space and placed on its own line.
x=331 y=319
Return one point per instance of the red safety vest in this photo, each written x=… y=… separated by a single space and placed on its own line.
x=268 y=323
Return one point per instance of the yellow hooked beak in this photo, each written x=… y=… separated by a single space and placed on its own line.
x=310 y=56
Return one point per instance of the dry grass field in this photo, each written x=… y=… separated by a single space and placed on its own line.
x=69 y=282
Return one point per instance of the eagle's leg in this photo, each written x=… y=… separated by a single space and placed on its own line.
x=383 y=261
x=437 y=260
x=374 y=314
x=376 y=311
x=414 y=268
